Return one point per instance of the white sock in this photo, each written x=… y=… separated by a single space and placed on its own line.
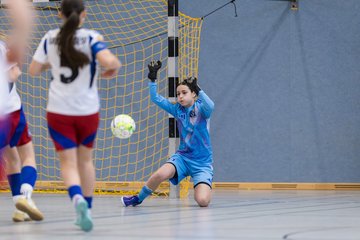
x=17 y=197
x=76 y=199
x=26 y=190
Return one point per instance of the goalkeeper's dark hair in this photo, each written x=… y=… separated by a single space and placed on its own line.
x=71 y=10
x=191 y=82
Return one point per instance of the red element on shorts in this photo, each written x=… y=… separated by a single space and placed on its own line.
x=71 y=131
x=4 y=132
x=2 y=168
x=19 y=133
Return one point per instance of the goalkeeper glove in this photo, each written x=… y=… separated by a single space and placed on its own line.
x=153 y=69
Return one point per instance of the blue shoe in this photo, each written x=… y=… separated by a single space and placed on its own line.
x=83 y=217
x=133 y=201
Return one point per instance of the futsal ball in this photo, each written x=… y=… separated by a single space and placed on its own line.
x=123 y=126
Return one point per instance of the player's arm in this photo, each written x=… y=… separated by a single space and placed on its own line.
x=12 y=69
x=14 y=73
x=206 y=104
x=160 y=101
x=39 y=62
x=154 y=96
x=107 y=60
x=37 y=68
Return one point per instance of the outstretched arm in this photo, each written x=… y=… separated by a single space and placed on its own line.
x=154 y=96
x=108 y=61
x=206 y=104
x=160 y=100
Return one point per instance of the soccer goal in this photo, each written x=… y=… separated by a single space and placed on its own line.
x=137 y=32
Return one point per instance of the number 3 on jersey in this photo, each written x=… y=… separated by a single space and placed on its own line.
x=69 y=74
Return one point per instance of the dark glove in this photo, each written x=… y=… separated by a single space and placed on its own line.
x=153 y=69
x=196 y=87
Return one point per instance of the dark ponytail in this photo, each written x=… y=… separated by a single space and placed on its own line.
x=73 y=58
x=192 y=84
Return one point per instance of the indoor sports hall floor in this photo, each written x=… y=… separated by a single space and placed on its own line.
x=253 y=215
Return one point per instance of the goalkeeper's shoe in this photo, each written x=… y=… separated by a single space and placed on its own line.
x=133 y=201
x=84 y=219
x=28 y=206
x=19 y=216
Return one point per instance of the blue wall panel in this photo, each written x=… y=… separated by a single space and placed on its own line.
x=286 y=88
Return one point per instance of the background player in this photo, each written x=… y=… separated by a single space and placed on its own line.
x=73 y=53
x=194 y=156
x=19 y=152
x=20 y=18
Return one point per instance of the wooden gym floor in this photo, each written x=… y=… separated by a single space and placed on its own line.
x=243 y=214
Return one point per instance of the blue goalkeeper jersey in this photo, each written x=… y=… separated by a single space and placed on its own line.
x=193 y=125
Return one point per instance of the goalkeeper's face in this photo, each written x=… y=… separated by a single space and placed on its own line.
x=185 y=96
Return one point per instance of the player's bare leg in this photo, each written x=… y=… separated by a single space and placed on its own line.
x=165 y=172
x=69 y=167
x=202 y=194
x=70 y=173
x=28 y=174
x=27 y=154
x=13 y=171
x=86 y=170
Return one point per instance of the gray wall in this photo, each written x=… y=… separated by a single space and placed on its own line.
x=286 y=86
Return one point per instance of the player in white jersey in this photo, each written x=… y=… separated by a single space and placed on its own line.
x=73 y=54
x=19 y=152
x=20 y=16
x=20 y=21
x=4 y=92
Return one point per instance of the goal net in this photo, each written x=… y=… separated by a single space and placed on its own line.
x=136 y=31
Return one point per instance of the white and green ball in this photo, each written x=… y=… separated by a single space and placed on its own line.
x=123 y=126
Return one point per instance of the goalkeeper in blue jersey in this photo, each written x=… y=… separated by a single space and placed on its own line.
x=194 y=156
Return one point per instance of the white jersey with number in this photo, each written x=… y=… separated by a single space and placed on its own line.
x=13 y=101
x=72 y=91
